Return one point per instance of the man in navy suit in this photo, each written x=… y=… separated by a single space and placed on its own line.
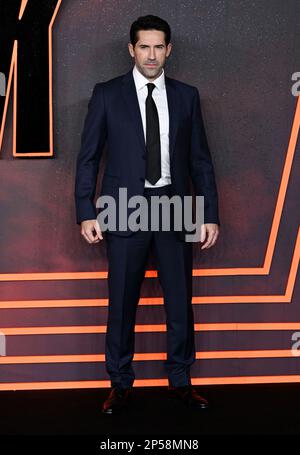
x=154 y=131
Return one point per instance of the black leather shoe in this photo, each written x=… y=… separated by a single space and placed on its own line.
x=188 y=395
x=117 y=400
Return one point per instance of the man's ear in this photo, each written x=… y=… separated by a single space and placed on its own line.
x=131 y=49
x=169 y=48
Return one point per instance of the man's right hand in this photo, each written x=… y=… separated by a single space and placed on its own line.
x=88 y=227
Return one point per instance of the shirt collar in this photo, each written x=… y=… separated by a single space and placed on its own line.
x=141 y=81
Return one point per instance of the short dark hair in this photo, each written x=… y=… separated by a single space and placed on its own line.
x=149 y=22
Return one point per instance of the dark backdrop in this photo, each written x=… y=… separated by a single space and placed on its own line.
x=241 y=55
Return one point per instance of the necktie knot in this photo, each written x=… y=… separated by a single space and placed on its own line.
x=150 y=86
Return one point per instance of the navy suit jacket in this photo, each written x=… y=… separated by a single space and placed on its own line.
x=114 y=116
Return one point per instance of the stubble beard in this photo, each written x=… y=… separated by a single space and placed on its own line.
x=151 y=73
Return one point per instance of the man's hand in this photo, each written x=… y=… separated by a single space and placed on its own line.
x=87 y=230
x=212 y=231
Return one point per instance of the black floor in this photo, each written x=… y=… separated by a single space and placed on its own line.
x=241 y=409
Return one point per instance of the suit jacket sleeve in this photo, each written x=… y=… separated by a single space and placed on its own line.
x=201 y=166
x=92 y=141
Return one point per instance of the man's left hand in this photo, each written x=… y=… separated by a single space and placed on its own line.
x=212 y=232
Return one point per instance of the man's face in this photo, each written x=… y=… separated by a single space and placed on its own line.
x=150 y=52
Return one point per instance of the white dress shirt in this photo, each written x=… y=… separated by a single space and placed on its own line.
x=159 y=95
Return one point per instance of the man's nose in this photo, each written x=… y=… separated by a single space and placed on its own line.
x=152 y=54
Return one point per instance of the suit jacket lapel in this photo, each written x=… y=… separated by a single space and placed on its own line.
x=173 y=107
x=131 y=99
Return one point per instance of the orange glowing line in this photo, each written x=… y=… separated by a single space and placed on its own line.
x=150 y=328
x=51 y=151
x=149 y=382
x=8 y=88
x=52 y=276
x=72 y=303
x=15 y=97
x=283 y=187
x=50 y=76
x=22 y=8
x=14 y=72
x=196 y=300
x=138 y=357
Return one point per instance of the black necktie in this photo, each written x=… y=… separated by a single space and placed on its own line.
x=153 y=163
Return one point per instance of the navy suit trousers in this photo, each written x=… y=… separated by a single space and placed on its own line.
x=127 y=259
